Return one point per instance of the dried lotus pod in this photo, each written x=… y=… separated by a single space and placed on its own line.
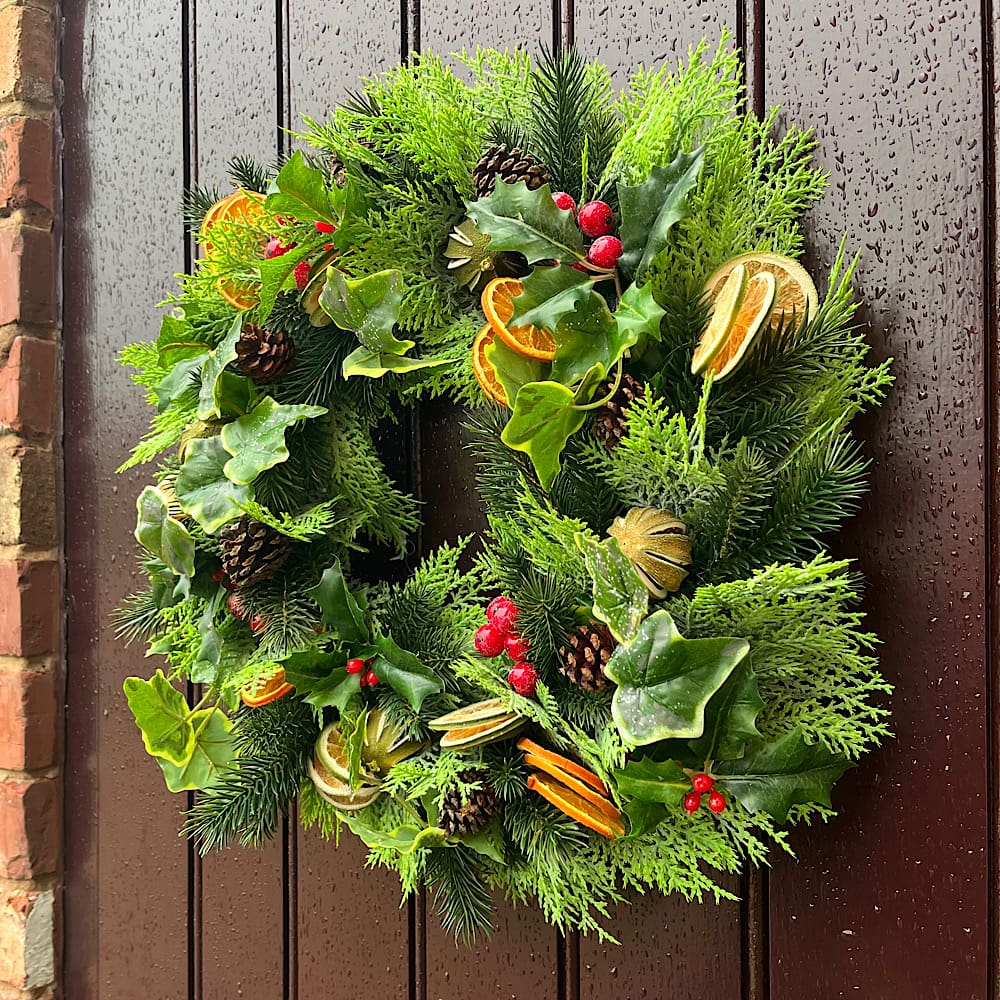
x=658 y=546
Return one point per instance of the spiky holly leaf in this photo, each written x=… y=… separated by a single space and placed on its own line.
x=163 y=717
x=730 y=717
x=665 y=681
x=773 y=777
x=653 y=781
x=368 y=307
x=163 y=535
x=643 y=817
x=550 y=293
x=321 y=680
x=529 y=222
x=649 y=210
x=404 y=673
x=621 y=599
x=203 y=488
x=211 y=753
x=342 y=611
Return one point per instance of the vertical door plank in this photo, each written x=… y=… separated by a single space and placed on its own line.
x=891 y=899
x=240 y=932
x=126 y=869
x=448 y=26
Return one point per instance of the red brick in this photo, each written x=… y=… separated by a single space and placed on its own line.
x=26 y=162
x=27 y=54
x=27 y=275
x=28 y=717
x=29 y=828
x=29 y=607
x=28 y=386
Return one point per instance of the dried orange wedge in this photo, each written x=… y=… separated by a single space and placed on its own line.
x=265 y=690
x=749 y=321
x=576 y=807
x=556 y=763
x=726 y=298
x=796 y=292
x=240 y=206
x=574 y=785
x=498 y=306
x=485 y=373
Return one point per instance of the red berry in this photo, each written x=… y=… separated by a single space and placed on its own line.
x=523 y=678
x=301 y=273
x=369 y=680
x=595 y=219
x=354 y=665
x=564 y=201
x=692 y=802
x=235 y=605
x=219 y=575
x=502 y=614
x=275 y=248
x=604 y=252
x=517 y=648
x=717 y=802
x=489 y=640
x=256 y=623
x=325 y=227
x=702 y=783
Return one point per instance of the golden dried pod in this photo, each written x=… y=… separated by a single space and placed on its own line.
x=657 y=545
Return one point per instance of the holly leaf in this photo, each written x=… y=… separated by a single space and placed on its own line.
x=163 y=535
x=665 y=681
x=342 y=611
x=257 y=440
x=213 y=368
x=182 y=378
x=368 y=307
x=651 y=781
x=544 y=419
x=163 y=717
x=643 y=817
x=528 y=222
x=649 y=210
x=638 y=315
x=300 y=191
x=621 y=600
x=274 y=275
x=731 y=717
x=549 y=294
x=513 y=369
x=211 y=754
x=773 y=777
x=203 y=488
x=404 y=673
x=320 y=678
x=374 y=365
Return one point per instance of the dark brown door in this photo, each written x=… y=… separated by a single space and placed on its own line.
x=895 y=900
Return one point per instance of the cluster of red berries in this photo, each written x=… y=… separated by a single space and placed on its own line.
x=499 y=635
x=702 y=783
x=355 y=665
x=238 y=610
x=596 y=220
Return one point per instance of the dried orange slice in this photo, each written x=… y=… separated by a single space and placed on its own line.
x=574 y=785
x=557 y=763
x=749 y=321
x=485 y=373
x=528 y=341
x=264 y=690
x=240 y=206
x=575 y=806
x=725 y=306
x=796 y=292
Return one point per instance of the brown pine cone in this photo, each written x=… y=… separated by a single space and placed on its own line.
x=588 y=649
x=510 y=166
x=611 y=424
x=262 y=354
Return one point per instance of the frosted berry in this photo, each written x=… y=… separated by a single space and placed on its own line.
x=523 y=678
x=502 y=614
x=370 y=679
x=235 y=605
x=717 y=802
x=256 y=623
x=692 y=802
x=301 y=273
x=489 y=640
x=275 y=248
x=354 y=665
x=604 y=252
x=595 y=219
x=325 y=227
x=517 y=648
x=702 y=783
x=564 y=201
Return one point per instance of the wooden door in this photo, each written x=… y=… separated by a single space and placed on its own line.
x=894 y=900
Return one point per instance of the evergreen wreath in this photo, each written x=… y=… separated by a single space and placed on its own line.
x=649 y=664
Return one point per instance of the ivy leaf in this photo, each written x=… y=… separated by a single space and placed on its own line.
x=665 y=681
x=211 y=373
x=621 y=599
x=543 y=420
x=773 y=777
x=731 y=717
x=205 y=668
x=643 y=817
x=211 y=753
x=513 y=369
x=375 y=365
x=650 y=781
x=529 y=222
x=300 y=191
x=368 y=307
x=588 y=339
x=257 y=441
x=650 y=209
x=341 y=610
x=203 y=488
x=638 y=315
x=404 y=839
x=162 y=715
x=404 y=673
x=163 y=535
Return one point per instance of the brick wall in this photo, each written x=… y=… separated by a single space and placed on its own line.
x=30 y=557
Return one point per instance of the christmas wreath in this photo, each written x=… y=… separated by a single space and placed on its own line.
x=648 y=664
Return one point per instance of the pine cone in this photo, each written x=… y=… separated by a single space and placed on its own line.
x=466 y=819
x=252 y=551
x=338 y=172
x=510 y=166
x=612 y=420
x=262 y=354
x=588 y=648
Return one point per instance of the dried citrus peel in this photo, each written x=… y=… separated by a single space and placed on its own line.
x=574 y=806
x=498 y=306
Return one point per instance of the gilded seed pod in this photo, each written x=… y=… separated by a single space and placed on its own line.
x=657 y=545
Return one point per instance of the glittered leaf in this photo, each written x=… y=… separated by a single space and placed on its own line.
x=211 y=373
x=164 y=536
x=211 y=754
x=368 y=307
x=374 y=365
x=202 y=487
x=162 y=715
x=621 y=600
x=404 y=673
x=342 y=611
x=651 y=781
x=731 y=717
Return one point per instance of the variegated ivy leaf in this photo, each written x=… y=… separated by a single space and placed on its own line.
x=209 y=403
x=163 y=535
x=621 y=600
x=203 y=488
x=212 y=752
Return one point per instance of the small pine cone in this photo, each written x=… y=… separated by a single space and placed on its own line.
x=262 y=354
x=588 y=649
x=338 y=172
x=252 y=551
x=612 y=420
x=510 y=166
x=466 y=819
